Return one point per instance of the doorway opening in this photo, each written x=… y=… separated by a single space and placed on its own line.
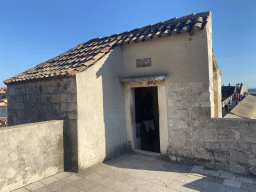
x=147 y=119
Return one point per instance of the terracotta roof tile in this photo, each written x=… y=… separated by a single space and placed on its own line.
x=86 y=54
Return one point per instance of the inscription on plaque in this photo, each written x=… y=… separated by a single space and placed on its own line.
x=146 y=62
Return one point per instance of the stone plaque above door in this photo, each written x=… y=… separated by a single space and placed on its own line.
x=145 y=62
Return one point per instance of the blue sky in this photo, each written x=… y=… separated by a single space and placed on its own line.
x=32 y=32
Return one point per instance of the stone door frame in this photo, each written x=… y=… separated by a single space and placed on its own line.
x=130 y=112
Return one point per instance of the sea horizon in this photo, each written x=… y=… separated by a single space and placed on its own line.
x=251 y=89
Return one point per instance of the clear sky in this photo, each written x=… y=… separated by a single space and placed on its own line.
x=32 y=32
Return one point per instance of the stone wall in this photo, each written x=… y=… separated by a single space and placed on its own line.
x=3 y=111
x=228 y=144
x=29 y=153
x=47 y=100
x=188 y=104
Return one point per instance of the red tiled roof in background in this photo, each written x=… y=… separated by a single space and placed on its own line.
x=2 y=100
x=4 y=119
x=79 y=58
x=4 y=105
x=4 y=89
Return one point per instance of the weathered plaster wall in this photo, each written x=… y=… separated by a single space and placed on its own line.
x=183 y=57
x=47 y=100
x=3 y=111
x=101 y=111
x=29 y=153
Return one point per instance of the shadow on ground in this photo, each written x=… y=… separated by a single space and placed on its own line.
x=151 y=174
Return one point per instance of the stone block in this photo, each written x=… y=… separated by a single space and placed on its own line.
x=208 y=145
x=68 y=106
x=172 y=87
x=188 y=144
x=252 y=170
x=237 y=135
x=197 y=144
x=183 y=86
x=56 y=98
x=244 y=125
x=72 y=115
x=11 y=91
x=201 y=112
x=173 y=95
x=180 y=133
x=201 y=123
x=253 y=148
x=251 y=160
x=23 y=91
x=172 y=105
x=205 y=104
x=15 y=105
x=45 y=98
x=238 y=168
x=71 y=97
x=17 y=91
x=50 y=89
x=237 y=156
x=180 y=143
x=241 y=146
x=222 y=155
x=226 y=134
x=203 y=154
x=204 y=96
x=248 y=137
x=204 y=134
x=183 y=104
x=178 y=124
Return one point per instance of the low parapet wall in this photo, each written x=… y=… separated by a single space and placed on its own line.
x=228 y=144
x=30 y=152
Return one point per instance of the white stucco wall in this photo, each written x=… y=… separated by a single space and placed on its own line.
x=101 y=111
x=183 y=57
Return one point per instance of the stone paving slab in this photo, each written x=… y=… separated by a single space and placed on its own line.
x=140 y=173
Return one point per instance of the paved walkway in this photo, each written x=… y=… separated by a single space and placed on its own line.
x=139 y=173
x=232 y=107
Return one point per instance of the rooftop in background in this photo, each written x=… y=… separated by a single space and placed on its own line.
x=3 y=105
x=4 y=100
x=79 y=58
x=3 y=121
x=3 y=89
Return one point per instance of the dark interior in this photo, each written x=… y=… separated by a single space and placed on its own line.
x=146 y=102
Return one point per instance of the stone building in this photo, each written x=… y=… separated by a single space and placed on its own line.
x=99 y=87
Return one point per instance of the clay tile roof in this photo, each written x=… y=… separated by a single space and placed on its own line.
x=4 y=105
x=79 y=58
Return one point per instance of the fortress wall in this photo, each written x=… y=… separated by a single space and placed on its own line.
x=45 y=100
x=228 y=144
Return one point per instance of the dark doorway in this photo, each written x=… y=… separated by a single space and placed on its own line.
x=147 y=119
